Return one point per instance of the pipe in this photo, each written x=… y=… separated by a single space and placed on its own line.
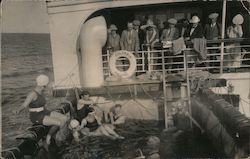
x=213 y=127
x=223 y=34
x=93 y=37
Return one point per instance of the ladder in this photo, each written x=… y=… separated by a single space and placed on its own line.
x=175 y=90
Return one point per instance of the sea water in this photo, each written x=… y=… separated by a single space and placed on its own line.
x=24 y=56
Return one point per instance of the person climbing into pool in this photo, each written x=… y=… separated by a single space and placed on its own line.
x=92 y=126
x=64 y=134
x=36 y=102
x=58 y=138
x=83 y=105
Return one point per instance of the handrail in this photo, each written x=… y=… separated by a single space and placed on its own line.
x=151 y=60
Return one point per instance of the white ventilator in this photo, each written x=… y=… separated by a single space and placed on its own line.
x=93 y=37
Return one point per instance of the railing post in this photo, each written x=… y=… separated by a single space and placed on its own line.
x=108 y=61
x=223 y=34
x=164 y=89
x=149 y=61
x=143 y=62
x=188 y=85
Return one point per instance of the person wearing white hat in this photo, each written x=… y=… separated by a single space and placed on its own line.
x=234 y=31
x=212 y=31
x=113 y=38
x=194 y=30
x=35 y=101
x=151 y=34
x=65 y=134
x=171 y=32
x=150 y=39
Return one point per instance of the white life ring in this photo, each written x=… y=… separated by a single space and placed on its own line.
x=132 y=64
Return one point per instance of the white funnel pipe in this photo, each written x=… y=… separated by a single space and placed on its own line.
x=93 y=37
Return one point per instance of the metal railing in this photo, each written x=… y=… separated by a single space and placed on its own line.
x=236 y=56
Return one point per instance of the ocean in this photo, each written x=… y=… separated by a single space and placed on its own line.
x=24 y=56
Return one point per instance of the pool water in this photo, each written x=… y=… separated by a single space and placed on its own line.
x=189 y=144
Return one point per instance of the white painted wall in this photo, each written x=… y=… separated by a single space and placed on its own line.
x=64 y=30
x=241 y=83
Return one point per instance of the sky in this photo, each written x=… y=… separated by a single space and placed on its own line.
x=24 y=16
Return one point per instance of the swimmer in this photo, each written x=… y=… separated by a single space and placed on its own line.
x=64 y=134
x=83 y=105
x=92 y=126
x=35 y=101
x=116 y=115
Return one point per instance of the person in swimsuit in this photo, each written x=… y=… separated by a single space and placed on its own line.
x=115 y=117
x=36 y=102
x=91 y=126
x=83 y=105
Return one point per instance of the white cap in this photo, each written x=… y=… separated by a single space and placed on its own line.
x=74 y=123
x=238 y=19
x=195 y=19
x=213 y=15
x=42 y=80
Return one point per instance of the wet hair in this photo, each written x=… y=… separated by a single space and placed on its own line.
x=118 y=106
x=112 y=109
x=83 y=93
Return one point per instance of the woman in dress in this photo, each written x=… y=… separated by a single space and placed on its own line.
x=234 y=31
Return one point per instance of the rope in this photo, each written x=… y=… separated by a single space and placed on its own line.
x=245 y=7
x=11 y=152
x=146 y=92
x=143 y=107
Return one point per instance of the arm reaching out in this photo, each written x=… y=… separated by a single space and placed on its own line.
x=26 y=103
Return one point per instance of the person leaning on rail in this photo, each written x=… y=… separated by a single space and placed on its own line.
x=212 y=31
x=35 y=101
x=113 y=38
x=234 y=31
x=129 y=39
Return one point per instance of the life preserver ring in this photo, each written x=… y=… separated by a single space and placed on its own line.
x=132 y=64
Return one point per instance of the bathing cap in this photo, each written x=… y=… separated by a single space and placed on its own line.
x=83 y=93
x=74 y=123
x=42 y=80
x=153 y=140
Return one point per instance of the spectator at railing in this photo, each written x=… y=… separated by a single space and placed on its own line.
x=195 y=33
x=168 y=35
x=212 y=31
x=136 y=24
x=194 y=30
x=129 y=39
x=150 y=39
x=151 y=34
x=171 y=32
x=183 y=25
x=234 y=31
x=113 y=38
